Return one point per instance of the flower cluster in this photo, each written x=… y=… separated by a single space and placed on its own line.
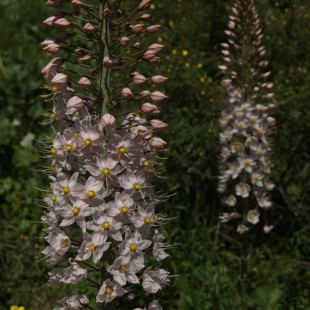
x=101 y=203
x=246 y=126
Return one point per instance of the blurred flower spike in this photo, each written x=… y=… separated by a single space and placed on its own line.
x=246 y=126
x=101 y=207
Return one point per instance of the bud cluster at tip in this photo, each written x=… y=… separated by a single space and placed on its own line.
x=246 y=126
x=100 y=205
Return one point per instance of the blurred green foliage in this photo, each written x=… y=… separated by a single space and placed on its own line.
x=207 y=257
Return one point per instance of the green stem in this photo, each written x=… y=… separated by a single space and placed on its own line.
x=104 y=78
x=244 y=260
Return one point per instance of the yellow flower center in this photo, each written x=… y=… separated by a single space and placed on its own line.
x=255 y=177
x=69 y=148
x=109 y=290
x=106 y=225
x=124 y=209
x=52 y=116
x=147 y=220
x=87 y=142
x=239 y=126
x=251 y=216
x=75 y=211
x=145 y=163
x=121 y=150
x=53 y=168
x=53 y=198
x=92 y=247
x=53 y=151
x=237 y=147
x=137 y=187
x=64 y=243
x=246 y=162
x=66 y=190
x=55 y=90
x=122 y=269
x=105 y=171
x=91 y=194
x=133 y=247
x=236 y=168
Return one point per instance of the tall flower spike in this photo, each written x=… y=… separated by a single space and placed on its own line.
x=100 y=205
x=246 y=126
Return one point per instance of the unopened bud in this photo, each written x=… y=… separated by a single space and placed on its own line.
x=107 y=121
x=107 y=62
x=152 y=60
x=74 y=104
x=271 y=121
x=149 y=54
x=137 y=28
x=89 y=28
x=145 y=93
x=144 y=5
x=139 y=79
x=124 y=41
x=157 y=96
x=53 y=3
x=153 y=28
x=156 y=47
x=158 y=124
x=146 y=17
x=52 y=48
x=77 y=4
x=54 y=63
x=47 y=42
x=84 y=82
x=149 y=108
x=50 y=20
x=137 y=45
x=157 y=143
x=106 y=13
x=126 y=93
x=62 y=23
x=158 y=79
x=60 y=80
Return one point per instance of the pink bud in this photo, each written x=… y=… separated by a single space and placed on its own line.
x=74 y=104
x=139 y=79
x=149 y=108
x=47 y=42
x=54 y=63
x=107 y=62
x=158 y=79
x=126 y=93
x=158 y=124
x=269 y=96
x=62 y=23
x=106 y=13
x=153 y=28
x=124 y=41
x=265 y=75
x=271 y=121
x=224 y=45
x=84 y=82
x=144 y=5
x=137 y=45
x=152 y=60
x=89 y=28
x=53 y=3
x=157 y=96
x=157 y=143
x=50 y=20
x=145 y=17
x=52 y=48
x=156 y=47
x=145 y=93
x=149 y=54
x=107 y=121
x=223 y=68
x=137 y=28
x=77 y=4
x=225 y=52
x=60 y=80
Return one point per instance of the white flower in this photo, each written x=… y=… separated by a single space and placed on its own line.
x=241 y=229
x=243 y=190
x=253 y=217
x=108 y=291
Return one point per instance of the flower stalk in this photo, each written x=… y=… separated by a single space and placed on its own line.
x=246 y=128
x=100 y=205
